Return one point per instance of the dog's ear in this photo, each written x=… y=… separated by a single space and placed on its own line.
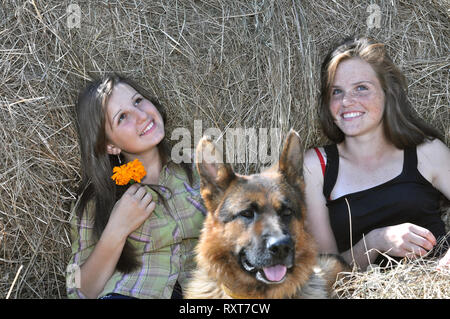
x=215 y=175
x=291 y=158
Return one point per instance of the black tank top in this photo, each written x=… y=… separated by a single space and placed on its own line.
x=407 y=198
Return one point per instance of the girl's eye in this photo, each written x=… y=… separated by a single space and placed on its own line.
x=361 y=88
x=122 y=117
x=137 y=101
x=336 y=91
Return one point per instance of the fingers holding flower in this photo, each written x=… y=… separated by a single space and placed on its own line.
x=130 y=173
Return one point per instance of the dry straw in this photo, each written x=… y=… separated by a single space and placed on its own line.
x=230 y=63
x=409 y=279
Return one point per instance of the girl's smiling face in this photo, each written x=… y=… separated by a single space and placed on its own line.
x=356 y=98
x=133 y=124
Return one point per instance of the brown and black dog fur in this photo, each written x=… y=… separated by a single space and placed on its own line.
x=253 y=243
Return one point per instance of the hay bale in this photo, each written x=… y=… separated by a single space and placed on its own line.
x=249 y=64
x=413 y=279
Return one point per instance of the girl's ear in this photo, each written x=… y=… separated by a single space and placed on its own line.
x=112 y=149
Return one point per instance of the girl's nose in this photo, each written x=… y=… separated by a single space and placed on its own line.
x=141 y=116
x=348 y=99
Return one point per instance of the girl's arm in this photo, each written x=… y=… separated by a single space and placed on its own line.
x=128 y=214
x=403 y=240
x=317 y=220
x=101 y=263
x=434 y=164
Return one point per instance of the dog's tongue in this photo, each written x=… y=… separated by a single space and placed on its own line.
x=275 y=273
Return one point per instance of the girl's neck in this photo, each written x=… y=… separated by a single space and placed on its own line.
x=152 y=162
x=365 y=148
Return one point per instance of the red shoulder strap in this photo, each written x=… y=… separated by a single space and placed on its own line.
x=322 y=161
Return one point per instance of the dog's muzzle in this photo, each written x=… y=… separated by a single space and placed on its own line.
x=280 y=247
x=275 y=262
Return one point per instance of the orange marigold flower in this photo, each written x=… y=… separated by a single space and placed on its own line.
x=130 y=172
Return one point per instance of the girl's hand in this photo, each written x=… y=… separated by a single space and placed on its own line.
x=444 y=262
x=131 y=210
x=404 y=240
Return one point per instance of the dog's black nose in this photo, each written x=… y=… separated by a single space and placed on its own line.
x=280 y=247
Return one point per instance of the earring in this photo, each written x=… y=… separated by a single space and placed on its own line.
x=118 y=157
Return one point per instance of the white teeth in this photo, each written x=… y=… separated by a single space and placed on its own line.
x=352 y=114
x=148 y=128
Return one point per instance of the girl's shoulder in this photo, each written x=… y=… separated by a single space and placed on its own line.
x=314 y=162
x=182 y=172
x=433 y=158
x=433 y=151
x=314 y=157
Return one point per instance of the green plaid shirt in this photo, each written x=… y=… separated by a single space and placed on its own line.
x=165 y=241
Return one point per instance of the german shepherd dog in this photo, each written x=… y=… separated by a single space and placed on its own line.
x=253 y=243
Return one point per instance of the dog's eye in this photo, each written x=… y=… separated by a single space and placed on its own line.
x=248 y=213
x=286 y=212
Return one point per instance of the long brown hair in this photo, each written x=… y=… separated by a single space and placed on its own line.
x=97 y=164
x=401 y=123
